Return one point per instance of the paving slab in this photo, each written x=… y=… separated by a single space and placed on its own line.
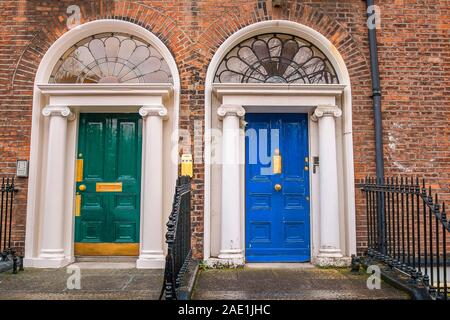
x=252 y=283
x=116 y=282
x=289 y=283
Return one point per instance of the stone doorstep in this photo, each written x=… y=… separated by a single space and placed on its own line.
x=105 y=259
x=305 y=265
x=103 y=265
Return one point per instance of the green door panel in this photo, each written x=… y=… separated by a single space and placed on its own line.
x=110 y=146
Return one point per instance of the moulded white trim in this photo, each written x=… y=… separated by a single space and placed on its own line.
x=162 y=89
x=221 y=89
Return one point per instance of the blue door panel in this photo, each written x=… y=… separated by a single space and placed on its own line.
x=277 y=222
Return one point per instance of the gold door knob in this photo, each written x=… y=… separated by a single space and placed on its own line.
x=82 y=187
x=277 y=187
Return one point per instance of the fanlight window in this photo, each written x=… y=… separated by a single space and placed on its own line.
x=111 y=58
x=276 y=58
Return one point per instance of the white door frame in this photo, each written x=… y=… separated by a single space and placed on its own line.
x=284 y=95
x=280 y=98
x=90 y=98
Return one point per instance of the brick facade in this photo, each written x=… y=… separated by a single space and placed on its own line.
x=414 y=61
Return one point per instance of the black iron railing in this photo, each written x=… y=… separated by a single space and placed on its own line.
x=178 y=239
x=8 y=254
x=408 y=230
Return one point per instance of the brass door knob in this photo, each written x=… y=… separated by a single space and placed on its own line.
x=277 y=187
x=82 y=187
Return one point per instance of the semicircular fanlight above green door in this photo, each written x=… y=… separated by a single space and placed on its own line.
x=111 y=58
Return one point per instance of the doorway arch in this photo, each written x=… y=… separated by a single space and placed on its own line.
x=249 y=96
x=150 y=99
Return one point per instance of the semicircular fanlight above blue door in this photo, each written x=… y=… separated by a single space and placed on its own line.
x=276 y=58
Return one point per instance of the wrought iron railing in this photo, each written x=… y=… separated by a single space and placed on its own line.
x=408 y=230
x=178 y=239
x=8 y=254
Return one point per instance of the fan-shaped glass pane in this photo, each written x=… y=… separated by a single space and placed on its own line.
x=111 y=58
x=276 y=58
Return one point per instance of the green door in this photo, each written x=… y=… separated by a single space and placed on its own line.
x=108 y=186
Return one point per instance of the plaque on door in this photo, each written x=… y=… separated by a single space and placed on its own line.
x=108 y=187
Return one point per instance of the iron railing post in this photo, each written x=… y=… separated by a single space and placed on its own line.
x=6 y=215
x=419 y=240
x=445 y=229
x=7 y=252
x=437 y=218
x=3 y=191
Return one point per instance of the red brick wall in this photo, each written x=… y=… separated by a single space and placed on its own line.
x=414 y=60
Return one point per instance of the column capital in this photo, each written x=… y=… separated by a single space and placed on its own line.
x=230 y=110
x=326 y=111
x=153 y=111
x=62 y=111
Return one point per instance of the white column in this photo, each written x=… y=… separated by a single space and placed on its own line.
x=231 y=244
x=151 y=254
x=52 y=253
x=330 y=250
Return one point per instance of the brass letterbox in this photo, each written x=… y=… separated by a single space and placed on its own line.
x=276 y=162
x=108 y=187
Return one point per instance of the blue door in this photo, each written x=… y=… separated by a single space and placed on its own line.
x=277 y=199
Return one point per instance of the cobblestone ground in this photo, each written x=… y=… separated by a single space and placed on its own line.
x=96 y=284
x=289 y=284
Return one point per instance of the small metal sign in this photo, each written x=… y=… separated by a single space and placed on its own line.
x=22 y=168
x=186 y=165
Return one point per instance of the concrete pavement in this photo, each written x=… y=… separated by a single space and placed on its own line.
x=113 y=281
x=102 y=282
